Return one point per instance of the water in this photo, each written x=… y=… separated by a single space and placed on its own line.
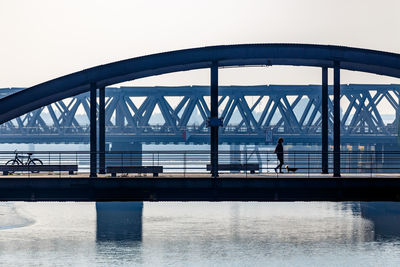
x=196 y=234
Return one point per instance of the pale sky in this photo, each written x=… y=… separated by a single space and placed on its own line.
x=45 y=39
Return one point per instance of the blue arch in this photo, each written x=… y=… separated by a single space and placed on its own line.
x=354 y=59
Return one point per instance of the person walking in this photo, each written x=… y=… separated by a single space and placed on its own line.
x=279 y=154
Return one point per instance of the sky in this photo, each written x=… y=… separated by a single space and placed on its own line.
x=45 y=39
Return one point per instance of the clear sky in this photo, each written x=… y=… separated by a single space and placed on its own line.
x=44 y=39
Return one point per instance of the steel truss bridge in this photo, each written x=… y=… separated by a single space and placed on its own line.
x=251 y=115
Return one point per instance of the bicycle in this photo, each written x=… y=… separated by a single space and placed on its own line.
x=18 y=160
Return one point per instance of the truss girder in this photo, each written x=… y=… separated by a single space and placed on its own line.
x=284 y=109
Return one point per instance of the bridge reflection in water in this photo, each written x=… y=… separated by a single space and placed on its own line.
x=352 y=221
x=385 y=217
x=119 y=221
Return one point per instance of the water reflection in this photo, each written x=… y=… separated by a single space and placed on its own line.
x=201 y=233
x=385 y=217
x=119 y=221
x=122 y=221
x=260 y=223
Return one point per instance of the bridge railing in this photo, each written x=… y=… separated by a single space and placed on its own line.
x=189 y=163
x=387 y=130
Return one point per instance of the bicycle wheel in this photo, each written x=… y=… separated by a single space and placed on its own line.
x=12 y=162
x=35 y=162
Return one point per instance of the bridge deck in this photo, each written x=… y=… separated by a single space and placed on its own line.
x=206 y=175
x=231 y=187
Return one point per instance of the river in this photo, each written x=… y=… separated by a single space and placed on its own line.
x=195 y=234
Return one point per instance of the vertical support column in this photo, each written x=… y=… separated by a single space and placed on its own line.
x=379 y=155
x=214 y=119
x=132 y=157
x=336 y=120
x=235 y=155
x=93 y=128
x=324 y=118
x=397 y=119
x=102 y=130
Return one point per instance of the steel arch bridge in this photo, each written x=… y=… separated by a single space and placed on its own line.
x=292 y=111
x=214 y=57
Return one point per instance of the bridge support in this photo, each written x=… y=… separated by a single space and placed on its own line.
x=390 y=157
x=214 y=120
x=93 y=128
x=353 y=159
x=133 y=157
x=324 y=118
x=378 y=155
x=102 y=130
x=235 y=155
x=336 y=119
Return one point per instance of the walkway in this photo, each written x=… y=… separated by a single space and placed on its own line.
x=207 y=175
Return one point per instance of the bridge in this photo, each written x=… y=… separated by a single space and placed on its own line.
x=95 y=81
x=290 y=111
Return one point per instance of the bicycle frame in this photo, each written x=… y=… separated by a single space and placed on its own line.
x=20 y=160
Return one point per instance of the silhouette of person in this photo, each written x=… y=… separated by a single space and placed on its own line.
x=279 y=154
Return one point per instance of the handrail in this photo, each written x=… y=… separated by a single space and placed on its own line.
x=185 y=163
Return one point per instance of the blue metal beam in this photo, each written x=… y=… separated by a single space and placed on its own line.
x=93 y=132
x=324 y=118
x=214 y=116
x=102 y=130
x=336 y=123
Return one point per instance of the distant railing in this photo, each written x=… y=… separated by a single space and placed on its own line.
x=388 y=130
x=184 y=163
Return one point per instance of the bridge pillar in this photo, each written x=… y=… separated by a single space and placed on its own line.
x=134 y=157
x=324 y=118
x=367 y=160
x=235 y=155
x=102 y=130
x=353 y=159
x=378 y=155
x=93 y=129
x=336 y=120
x=391 y=159
x=214 y=120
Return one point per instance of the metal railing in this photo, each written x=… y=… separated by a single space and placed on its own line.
x=389 y=129
x=189 y=163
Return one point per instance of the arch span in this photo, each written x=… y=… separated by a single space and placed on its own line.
x=354 y=59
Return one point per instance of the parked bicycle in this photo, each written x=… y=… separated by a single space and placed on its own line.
x=19 y=160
